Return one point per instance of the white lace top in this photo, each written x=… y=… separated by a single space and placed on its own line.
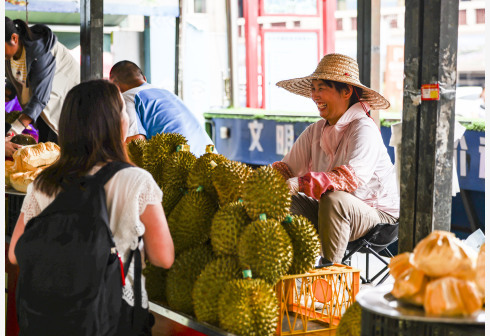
x=128 y=193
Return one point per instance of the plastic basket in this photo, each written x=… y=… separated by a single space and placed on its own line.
x=315 y=301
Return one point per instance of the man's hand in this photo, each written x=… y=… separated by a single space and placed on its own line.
x=10 y=147
x=293 y=185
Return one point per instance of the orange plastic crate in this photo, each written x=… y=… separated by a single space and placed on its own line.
x=315 y=301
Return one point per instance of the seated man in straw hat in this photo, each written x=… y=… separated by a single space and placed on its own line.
x=338 y=170
x=152 y=110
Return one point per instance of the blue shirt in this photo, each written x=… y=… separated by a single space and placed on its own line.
x=161 y=111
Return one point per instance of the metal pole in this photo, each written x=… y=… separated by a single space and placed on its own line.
x=250 y=13
x=91 y=38
x=364 y=41
x=147 y=49
x=428 y=128
x=232 y=31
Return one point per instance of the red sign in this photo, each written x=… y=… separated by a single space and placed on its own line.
x=430 y=91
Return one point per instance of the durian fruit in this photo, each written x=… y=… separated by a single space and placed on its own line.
x=157 y=149
x=190 y=220
x=266 y=249
x=155 y=282
x=136 y=149
x=226 y=227
x=171 y=196
x=228 y=178
x=306 y=243
x=450 y=296
x=176 y=168
x=266 y=192
x=23 y=139
x=183 y=274
x=201 y=173
x=11 y=117
x=209 y=285
x=350 y=323
x=248 y=307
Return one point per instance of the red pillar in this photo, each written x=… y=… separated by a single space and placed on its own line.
x=250 y=13
x=329 y=25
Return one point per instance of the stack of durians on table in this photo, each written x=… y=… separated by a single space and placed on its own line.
x=226 y=220
x=442 y=274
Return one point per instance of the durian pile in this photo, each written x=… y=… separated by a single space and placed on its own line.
x=442 y=274
x=233 y=235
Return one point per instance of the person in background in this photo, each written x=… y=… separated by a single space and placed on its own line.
x=42 y=71
x=152 y=110
x=93 y=127
x=338 y=170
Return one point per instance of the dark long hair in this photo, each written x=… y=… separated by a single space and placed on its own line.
x=89 y=133
x=18 y=27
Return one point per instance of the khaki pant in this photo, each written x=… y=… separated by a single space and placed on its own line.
x=339 y=218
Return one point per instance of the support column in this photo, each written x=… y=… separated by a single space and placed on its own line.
x=329 y=25
x=428 y=128
x=364 y=41
x=91 y=38
x=232 y=34
x=250 y=13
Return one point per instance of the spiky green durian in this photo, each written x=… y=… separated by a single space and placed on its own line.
x=306 y=243
x=190 y=220
x=248 y=307
x=228 y=178
x=266 y=192
x=171 y=196
x=209 y=285
x=226 y=227
x=157 y=149
x=265 y=247
x=201 y=173
x=350 y=323
x=136 y=148
x=176 y=168
x=183 y=274
x=155 y=282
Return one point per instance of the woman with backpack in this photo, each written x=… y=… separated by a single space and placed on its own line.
x=93 y=126
x=42 y=71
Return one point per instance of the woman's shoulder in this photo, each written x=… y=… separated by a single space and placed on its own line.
x=134 y=173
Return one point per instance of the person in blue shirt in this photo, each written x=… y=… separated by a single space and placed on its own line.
x=153 y=110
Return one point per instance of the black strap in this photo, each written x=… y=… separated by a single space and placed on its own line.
x=106 y=172
x=139 y=314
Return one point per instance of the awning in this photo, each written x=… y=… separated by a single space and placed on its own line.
x=111 y=7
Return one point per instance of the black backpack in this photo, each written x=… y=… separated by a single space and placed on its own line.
x=70 y=274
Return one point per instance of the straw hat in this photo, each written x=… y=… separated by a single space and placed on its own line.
x=338 y=68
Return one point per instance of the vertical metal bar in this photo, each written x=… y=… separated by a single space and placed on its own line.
x=180 y=41
x=439 y=52
x=329 y=25
x=91 y=38
x=364 y=40
x=250 y=12
x=428 y=129
x=232 y=31
x=410 y=124
x=177 y=53
x=147 y=48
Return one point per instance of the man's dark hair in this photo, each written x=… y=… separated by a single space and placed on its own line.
x=126 y=72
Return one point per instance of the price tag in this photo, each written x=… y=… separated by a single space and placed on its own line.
x=430 y=91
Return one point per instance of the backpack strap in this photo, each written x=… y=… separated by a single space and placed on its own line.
x=139 y=313
x=109 y=170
